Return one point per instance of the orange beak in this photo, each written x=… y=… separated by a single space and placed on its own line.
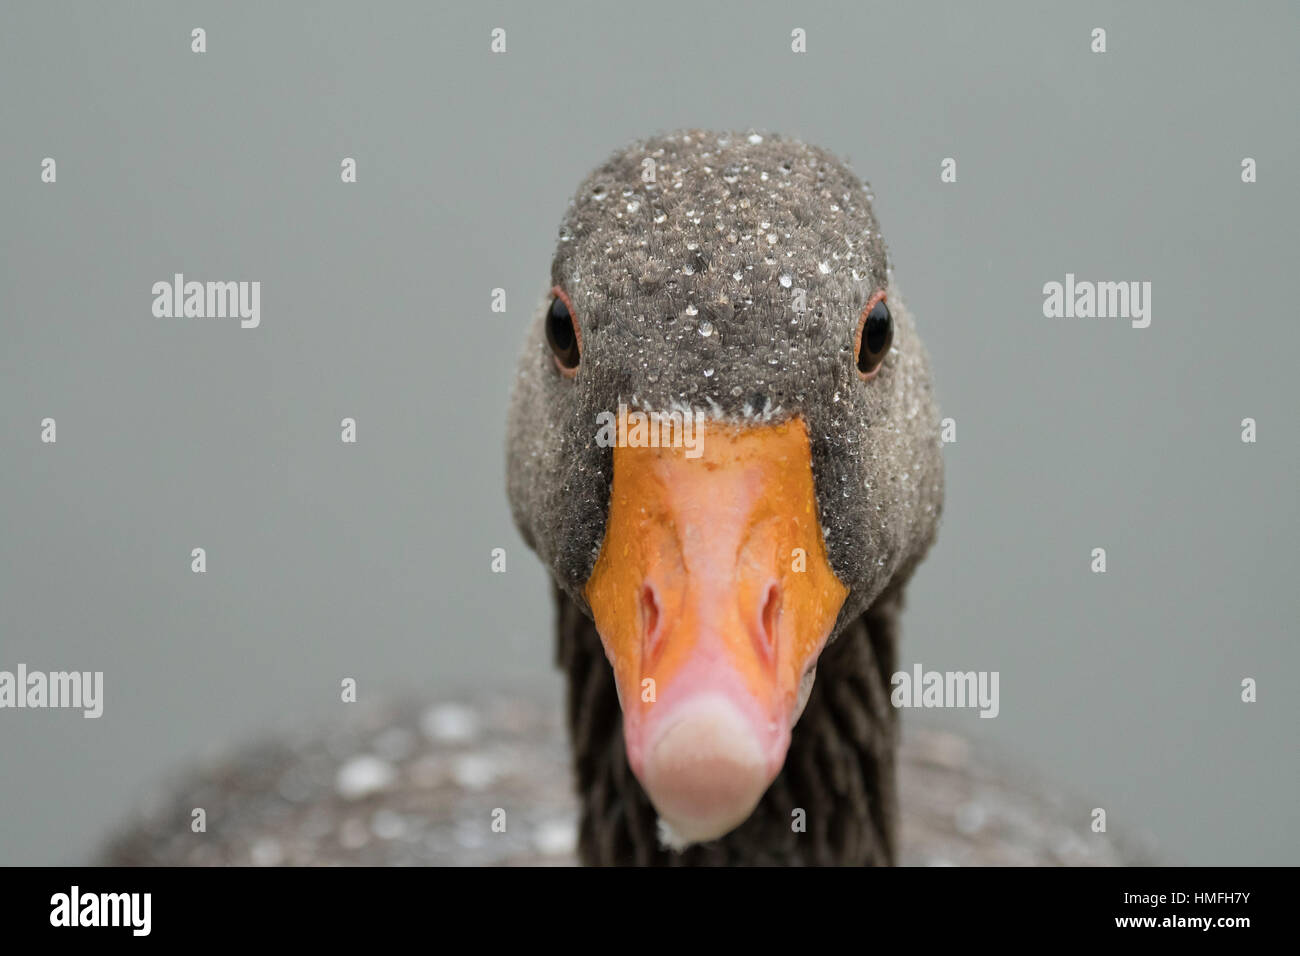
x=713 y=598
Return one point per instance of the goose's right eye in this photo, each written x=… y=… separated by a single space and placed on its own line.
x=562 y=334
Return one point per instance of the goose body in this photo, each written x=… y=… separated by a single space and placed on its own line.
x=416 y=784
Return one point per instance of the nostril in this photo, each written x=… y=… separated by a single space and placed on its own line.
x=649 y=618
x=768 y=620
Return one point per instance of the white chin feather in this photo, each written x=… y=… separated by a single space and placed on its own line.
x=669 y=838
x=805 y=689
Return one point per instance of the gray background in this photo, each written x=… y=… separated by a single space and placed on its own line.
x=372 y=560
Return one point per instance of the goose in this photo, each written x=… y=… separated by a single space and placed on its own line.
x=726 y=606
x=728 y=623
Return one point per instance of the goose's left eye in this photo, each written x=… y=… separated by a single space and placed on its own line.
x=875 y=335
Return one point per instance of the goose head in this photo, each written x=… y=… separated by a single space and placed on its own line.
x=735 y=290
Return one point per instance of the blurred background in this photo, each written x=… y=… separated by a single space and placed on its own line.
x=372 y=560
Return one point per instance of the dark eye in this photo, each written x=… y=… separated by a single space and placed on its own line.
x=562 y=334
x=875 y=333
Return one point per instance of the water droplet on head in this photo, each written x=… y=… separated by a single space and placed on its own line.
x=785 y=280
x=706 y=328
